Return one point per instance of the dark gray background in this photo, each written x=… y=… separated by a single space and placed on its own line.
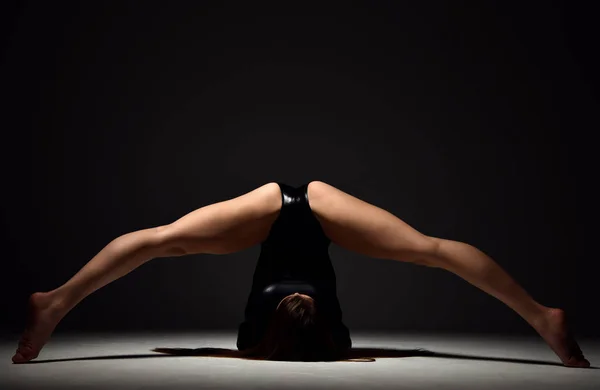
x=469 y=120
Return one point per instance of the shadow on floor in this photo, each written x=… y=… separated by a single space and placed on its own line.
x=358 y=354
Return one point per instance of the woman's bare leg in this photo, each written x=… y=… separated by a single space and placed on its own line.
x=219 y=228
x=364 y=228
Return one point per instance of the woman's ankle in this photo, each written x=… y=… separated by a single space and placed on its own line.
x=55 y=301
x=540 y=317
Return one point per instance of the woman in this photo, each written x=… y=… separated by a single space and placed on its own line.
x=293 y=312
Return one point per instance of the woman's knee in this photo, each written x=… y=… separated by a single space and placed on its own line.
x=425 y=252
x=166 y=241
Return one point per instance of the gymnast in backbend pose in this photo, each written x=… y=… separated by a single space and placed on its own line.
x=292 y=311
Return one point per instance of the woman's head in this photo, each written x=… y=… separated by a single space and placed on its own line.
x=300 y=303
x=298 y=331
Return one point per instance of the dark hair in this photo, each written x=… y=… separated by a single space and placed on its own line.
x=297 y=331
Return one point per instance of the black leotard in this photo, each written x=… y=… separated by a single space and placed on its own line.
x=293 y=258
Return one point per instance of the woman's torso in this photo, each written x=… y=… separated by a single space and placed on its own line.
x=293 y=258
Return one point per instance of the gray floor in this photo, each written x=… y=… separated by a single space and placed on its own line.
x=465 y=362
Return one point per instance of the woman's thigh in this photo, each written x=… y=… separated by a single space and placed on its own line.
x=367 y=229
x=225 y=227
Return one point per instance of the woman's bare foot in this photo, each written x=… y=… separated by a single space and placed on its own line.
x=43 y=314
x=554 y=330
